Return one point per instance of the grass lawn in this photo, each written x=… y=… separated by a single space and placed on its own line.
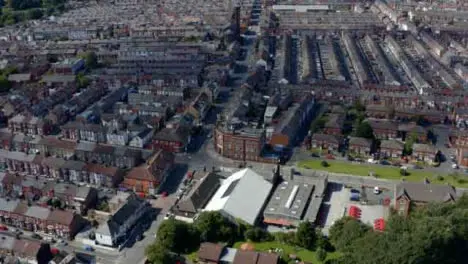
x=383 y=172
x=303 y=254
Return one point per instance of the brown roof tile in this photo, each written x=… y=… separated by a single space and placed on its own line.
x=245 y=257
x=210 y=251
x=96 y=168
x=54 y=142
x=61 y=217
x=267 y=258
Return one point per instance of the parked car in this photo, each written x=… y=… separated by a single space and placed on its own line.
x=454 y=166
x=49 y=239
x=88 y=248
x=3 y=228
x=385 y=162
x=376 y=190
x=36 y=236
x=18 y=231
x=62 y=242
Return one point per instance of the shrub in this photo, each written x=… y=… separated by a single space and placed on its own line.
x=403 y=172
x=440 y=177
x=321 y=254
x=324 y=164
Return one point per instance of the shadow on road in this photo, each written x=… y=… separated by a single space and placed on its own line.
x=175 y=178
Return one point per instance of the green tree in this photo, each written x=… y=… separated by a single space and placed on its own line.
x=345 y=231
x=305 y=235
x=82 y=80
x=321 y=254
x=35 y=13
x=409 y=141
x=256 y=234
x=177 y=236
x=5 y=85
x=91 y=60
x=365 y=130
x=436 y=233
x=157 y=254
x=214 y=227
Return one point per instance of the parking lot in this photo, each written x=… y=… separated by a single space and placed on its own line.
x=338 y=202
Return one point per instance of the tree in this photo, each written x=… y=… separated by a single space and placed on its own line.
x=305 y=235
x=345 y=231
x=91 y=60
x=409 y=141
x=436 y=233
x=256 y=234
x=156 y=253
x=82 y=80
x=365 y=130
x=214 y=227
x=321 y=254
x=177 y=236
x=35 y=13
x=5 y=85
x=324 y=163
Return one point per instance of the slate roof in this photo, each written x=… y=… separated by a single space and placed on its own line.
x=200 y=194
x=325 y=137
x=426 y=148
x=392 y=144
x=335 y=121
x=359 y=141
x=412 y=128
x=426 y=192
x=383 y=124
x=179 y=134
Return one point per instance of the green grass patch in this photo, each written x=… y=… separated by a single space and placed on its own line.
x=193 y=257
x=384 y=172
x=302 y=254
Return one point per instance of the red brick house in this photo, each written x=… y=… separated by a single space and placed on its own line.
x=324 y=141
x=459 y=138
x=359 y=145
x=419 y=194
x=424 y=152
x=63 y=223
x=391 y=149
x=334 y=125
x=384 y=129
x=172 y=139
x=462 y=156
x=147 y=178
x=239 y=145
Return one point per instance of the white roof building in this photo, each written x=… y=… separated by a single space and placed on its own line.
x=242 y=195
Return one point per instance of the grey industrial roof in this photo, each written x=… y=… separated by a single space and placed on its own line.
x=246 y=200
x=37 y=212
x=7 y=242
x=291 y=197
x=289 y=200
x=8 y=205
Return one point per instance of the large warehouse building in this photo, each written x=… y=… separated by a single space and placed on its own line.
x=241 y=196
